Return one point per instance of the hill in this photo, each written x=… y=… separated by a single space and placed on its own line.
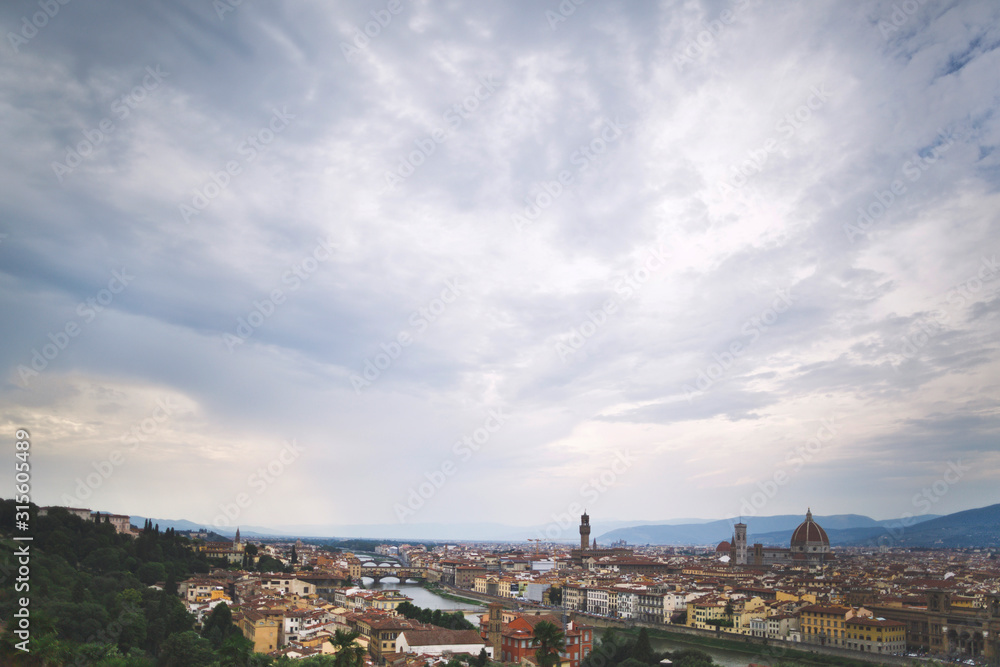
x=776 y=529
x=975 y=528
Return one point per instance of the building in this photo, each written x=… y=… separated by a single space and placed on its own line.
x=517 y=639
x=577 y=556
x=876 y=635
x=941 y=628
x=810 y=543
x=440 y=641
x=740 y=544
x=263 y=630
x=121 y=522
x=827 y=624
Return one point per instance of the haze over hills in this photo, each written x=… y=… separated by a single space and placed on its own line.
x=561 y=530
x=970 y=528
x=978 y=527
x=765 y=529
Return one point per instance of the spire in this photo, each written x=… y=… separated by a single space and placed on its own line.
x=809 y=514
x=236 y=540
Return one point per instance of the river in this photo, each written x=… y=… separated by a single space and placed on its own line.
x=720 y=656
x=424 y=598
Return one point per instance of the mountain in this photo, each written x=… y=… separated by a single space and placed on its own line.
x=777 y=529
x=562 y=530
x=975 y=528
x=840 y=537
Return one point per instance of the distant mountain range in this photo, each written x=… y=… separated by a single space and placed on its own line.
x=769 y=530
x=487 y=532
x=971 y=528
x=975 y=528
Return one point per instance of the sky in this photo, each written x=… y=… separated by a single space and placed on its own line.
x=404 y=262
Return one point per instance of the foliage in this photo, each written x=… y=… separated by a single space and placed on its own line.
x=452 y=621
x=91 y=603
x=218 y=627
x=550 y=642
x=348 y=652
x=642 y=651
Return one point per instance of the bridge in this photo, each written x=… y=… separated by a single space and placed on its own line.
x=380 y=572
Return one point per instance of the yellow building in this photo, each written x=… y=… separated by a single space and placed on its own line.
x=876 y=635
x=702 y=611
x=747 y=610
x=388 y=600
x=825 y=624
x=262 y=630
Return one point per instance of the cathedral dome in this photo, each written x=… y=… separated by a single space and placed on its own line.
x=809 y=534
x=723 y=547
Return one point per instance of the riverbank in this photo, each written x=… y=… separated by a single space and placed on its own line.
x=436 y=589
x=763 y=653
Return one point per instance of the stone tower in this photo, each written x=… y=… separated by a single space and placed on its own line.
x=494 y=628
x=584 y=532
x=740 y=543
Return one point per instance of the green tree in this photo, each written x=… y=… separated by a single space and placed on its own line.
x=642 y=650
x=348 y=652
x=550 y=642
x=219 y=625
x=236 y=651
x=186 y=649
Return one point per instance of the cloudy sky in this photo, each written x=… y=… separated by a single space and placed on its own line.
x=411 y=261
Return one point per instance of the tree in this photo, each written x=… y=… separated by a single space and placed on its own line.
x=550 y=641
x=219 y=625
x=348 y=653
x=186 y=649
x=642 y=650
x=295 y=556
x=480 y=660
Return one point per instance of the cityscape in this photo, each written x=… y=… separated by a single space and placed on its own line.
x=500 y=333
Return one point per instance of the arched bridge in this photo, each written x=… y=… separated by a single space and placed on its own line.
x=379 y=572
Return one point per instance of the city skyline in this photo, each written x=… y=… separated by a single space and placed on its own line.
x=404 y=264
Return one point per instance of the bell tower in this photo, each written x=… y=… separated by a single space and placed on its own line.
x=584 y=531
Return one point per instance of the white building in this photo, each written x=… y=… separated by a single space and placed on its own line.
x=438 y=642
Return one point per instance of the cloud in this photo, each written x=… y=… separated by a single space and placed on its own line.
x=541 y=163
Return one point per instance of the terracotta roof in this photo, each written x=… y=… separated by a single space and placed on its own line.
x=809 y=532
x=441 y=637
